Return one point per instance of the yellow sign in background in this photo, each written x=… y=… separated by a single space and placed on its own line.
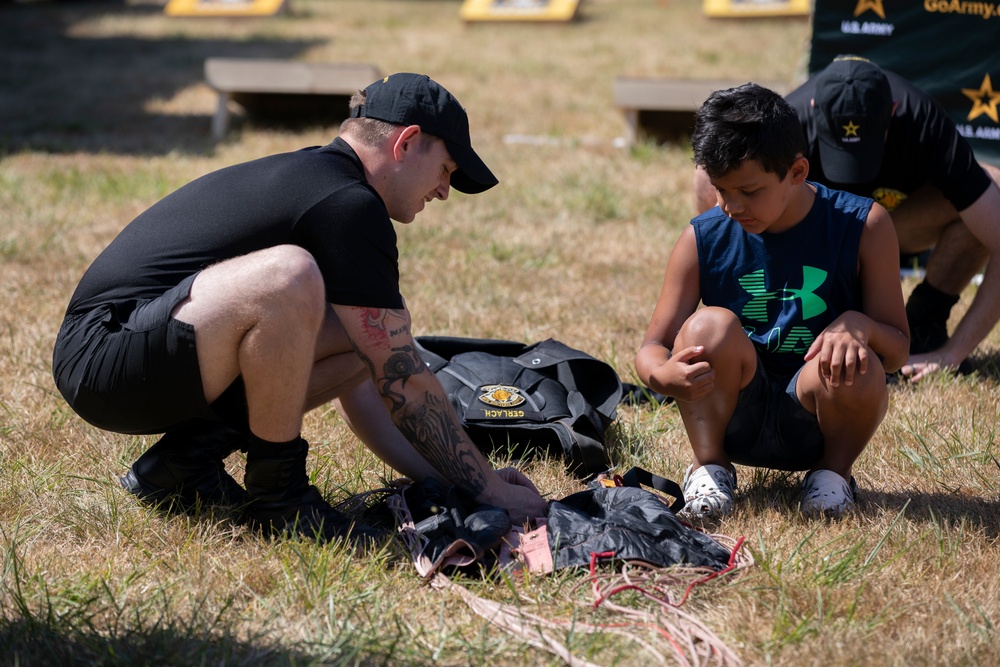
x=519 y=10
x=224 y=7
x=755 y=8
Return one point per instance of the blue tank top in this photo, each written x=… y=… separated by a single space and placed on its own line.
x=785 y=287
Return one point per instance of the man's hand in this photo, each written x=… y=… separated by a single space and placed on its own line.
x=921 y=366
x=517 y=495
x=514 y=476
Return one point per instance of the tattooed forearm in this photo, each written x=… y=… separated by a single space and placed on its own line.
x=420 y=411
x=431 y=429
x=398 y=368
x=365 y=359
x=386 y=319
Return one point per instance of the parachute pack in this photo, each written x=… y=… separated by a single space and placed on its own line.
x=524 y=399
x=614 y=523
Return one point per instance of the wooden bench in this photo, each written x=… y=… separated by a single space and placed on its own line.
x=663 y=109
x=284 y=89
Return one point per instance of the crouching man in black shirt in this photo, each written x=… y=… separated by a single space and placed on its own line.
x=255 y=293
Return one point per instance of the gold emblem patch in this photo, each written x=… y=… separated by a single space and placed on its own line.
x=501 y=395
x=888 y=197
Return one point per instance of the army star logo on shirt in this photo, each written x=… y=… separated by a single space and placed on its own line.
x=984 y=100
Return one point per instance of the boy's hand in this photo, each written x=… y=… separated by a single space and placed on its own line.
x=684 y=378
x=842 y=349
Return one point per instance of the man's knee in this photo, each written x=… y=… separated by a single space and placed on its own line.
x=290 y=269
x=921 y=219
x=287 y=282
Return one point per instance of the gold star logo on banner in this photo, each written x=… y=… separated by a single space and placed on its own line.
x=874 y=5
x=984 y=100
x=850 y=130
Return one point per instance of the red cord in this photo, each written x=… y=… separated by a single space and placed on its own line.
x=730 y=566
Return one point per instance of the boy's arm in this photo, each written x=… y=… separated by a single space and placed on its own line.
x=843 y=347
x=678 y=299
x=881 y=295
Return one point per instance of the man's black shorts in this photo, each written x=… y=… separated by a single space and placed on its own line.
x=130 y=367
x=770 y=428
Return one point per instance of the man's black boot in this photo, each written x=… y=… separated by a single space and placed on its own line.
x=282 y=502
x=927 y=312
x=185 y=468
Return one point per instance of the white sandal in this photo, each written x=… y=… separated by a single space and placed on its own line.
x=708 y=491
x=825 y=493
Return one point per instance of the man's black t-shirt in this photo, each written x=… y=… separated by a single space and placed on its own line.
x=923 y=147
x=316 y=198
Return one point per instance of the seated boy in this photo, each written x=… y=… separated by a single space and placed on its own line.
x=785 y=365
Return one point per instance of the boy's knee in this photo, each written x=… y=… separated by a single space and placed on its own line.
x=710 y=326
x=866 y=390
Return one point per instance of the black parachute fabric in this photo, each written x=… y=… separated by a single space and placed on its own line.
x=630 y=522
x=453 y=526
x=617 y=523
x=624 y=527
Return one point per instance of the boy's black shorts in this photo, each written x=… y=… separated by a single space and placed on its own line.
x=770 y=428
x=130 y=367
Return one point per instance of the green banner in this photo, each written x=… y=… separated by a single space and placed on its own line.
x=948 y=48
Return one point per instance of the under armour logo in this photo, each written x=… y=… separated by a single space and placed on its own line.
x=812 y=305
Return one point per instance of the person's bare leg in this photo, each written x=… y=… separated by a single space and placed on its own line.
x=732 y=357
x=926 y=220
x=921 y=218
x=258 y=316
x=255 y=316
x=709 y=482
x=956 y=259
x=848 y=416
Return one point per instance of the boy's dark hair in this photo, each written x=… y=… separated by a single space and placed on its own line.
x=748 y=122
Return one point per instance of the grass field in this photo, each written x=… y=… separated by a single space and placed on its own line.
x=103 y=110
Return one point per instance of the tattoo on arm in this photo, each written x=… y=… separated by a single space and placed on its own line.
x=426 y=421
x=403 y=363
x=381 y=323
x=431 y=430
x=376 y=325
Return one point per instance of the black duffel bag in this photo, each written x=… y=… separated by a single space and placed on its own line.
x=524 y=399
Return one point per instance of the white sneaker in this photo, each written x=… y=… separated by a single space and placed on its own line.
x=825 y=493
x=708 y=491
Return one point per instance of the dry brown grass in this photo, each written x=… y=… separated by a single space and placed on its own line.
x=103 y=111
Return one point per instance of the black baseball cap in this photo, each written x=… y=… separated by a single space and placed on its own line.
x=853 y=104
x=415 y=99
